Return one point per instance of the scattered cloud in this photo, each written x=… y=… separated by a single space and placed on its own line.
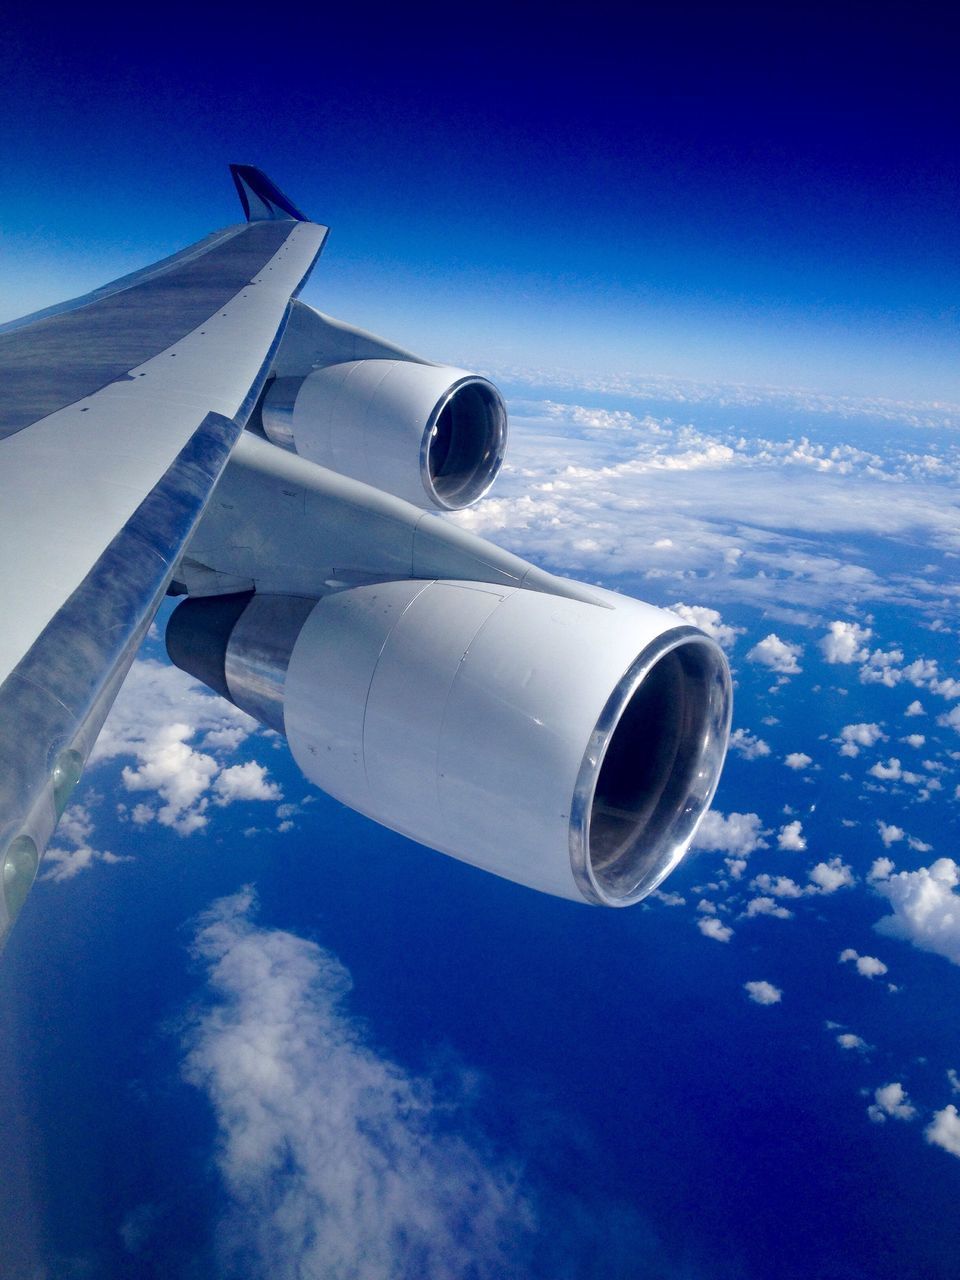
x=790 y=837
x=797 y=760
x=73 y=851
x=887 y=772
x=748 y=745
x=891 y=1100
x=880 y=869
x=854 y=736
x=944 y=1129
x=737 y=834
x=867 y=966
x=915 y=708
x=847 y=1040
x=763 y=992
x=711 y=927
x=831 y=876
x=246 y=781
x=708 y=620
x=669 y=899
x=179 y=775
x=926 y=906
x=779 y=655
x=174 y=728
x=764 y=906
x=777 y=886
x=882 y=668
x=845 y=642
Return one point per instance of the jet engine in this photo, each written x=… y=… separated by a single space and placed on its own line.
x=568 y=745
x=431 y=434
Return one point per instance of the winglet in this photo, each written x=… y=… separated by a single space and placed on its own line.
x=262 y=200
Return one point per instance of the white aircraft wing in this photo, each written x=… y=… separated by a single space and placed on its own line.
x=118 y=413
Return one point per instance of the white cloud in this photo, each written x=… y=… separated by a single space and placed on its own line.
x=867 y=966
x=883 y=668
x=831 y=876
x=845 y=642
x=790 y=837
x=944 y=1129
x=711 y=927
x=779 y=655
x=854 y=736
x=227 y=738
x=777 y=886
x=246 y=781
x=764 y=906
x=891 y=1100
x=797 y=760
x=915 y=708
x=75 y=830
x=179 y=774
x=668 y=899
x=159 y=714
x=847 y=1040
x=748 y=744
x=338 y=1162
x=889 y=833
x=889 y=772
x=737 y=834
x=591 y=502
x=761 y=992
x=950 y=719
x=914 y=740
x=926 y=906
x=708 y=620
x=64 y=864
x=954 y=1079
x=156 y=695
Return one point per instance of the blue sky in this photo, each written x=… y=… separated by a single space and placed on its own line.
x=759 y=197
x=247 y=1034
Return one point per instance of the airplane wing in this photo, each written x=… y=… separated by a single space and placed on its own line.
x=196 y=426
x=118 y=413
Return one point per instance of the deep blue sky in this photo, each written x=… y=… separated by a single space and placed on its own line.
x=698 y=191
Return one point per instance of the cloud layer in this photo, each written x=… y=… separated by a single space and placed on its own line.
x=339 y=1163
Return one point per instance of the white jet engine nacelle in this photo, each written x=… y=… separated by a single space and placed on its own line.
x=431 y=434
x=369 y=409
x=570 y=746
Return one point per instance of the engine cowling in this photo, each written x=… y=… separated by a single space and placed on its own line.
x=431 y=434
x=572 y=747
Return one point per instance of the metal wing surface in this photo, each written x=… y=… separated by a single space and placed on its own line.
x=118 y=413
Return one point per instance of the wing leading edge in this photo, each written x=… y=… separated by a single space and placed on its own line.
x=120 y=411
